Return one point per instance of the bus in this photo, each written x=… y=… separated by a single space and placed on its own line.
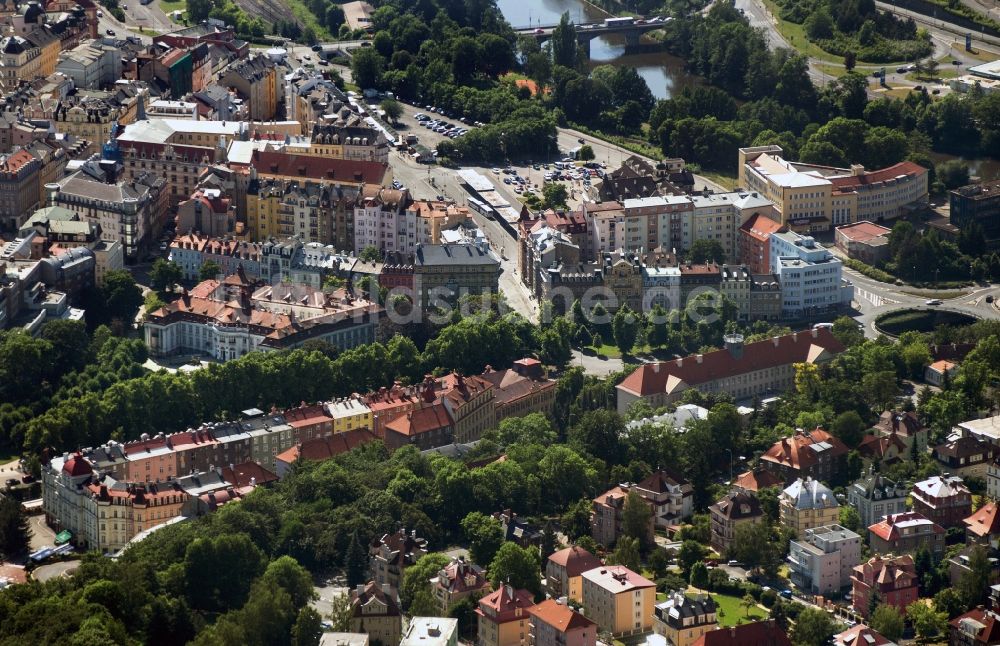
x=619 y=22
x=480 y=207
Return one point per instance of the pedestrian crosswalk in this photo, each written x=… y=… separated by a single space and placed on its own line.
x=877 y=300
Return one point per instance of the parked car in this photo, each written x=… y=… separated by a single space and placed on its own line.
x=933 y=301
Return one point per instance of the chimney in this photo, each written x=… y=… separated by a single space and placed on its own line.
x=361 y=589
x=775 y=341
x=815 y=333
x=52 y=192
x=699 y=357
x=387 y=589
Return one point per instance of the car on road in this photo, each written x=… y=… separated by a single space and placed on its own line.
x=539 y=31
x=933 y=301
x=989 y=298
x=100 y=14
x=786 y=593
x=316 y=48
x=110 y=32
x=579 y=140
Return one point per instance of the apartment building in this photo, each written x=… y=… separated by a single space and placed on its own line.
x=521 y=389
x=905 y=533
x=670 y=496
x=19 y=195
x=736 y=508
x=618 y=600
x=20 y=59
x=348 y=137
x=445 y=272
x=206 y=321
x=823 y=559
x=606 y=518
x=815 y=454
x=810 y=198
x=382 y=221
x=740 y=370
x=811 y=277
x=977 y=203
x=129 y=210
x=892 y=579
x=59 y=229
x=905 y=425
x=966 y=456
x=375 y=612
x=259 y=82
x=459 y=580
x=177 y=150
x=864 y=241
x=320 y=449
x=875 y=496
x=555 y=623
x=91 y=64
x=93 y=118
x=564 y=569
x=807 y=504
x=504 y=617
x=682 y=618
x=391 y=554
x=943 y=499
x=753 y=247
x=191 y=251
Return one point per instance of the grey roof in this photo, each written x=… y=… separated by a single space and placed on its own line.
x=810 y=494
x=81 y=186
x=453 y=254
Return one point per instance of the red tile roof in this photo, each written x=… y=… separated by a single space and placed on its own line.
x=761 y=227
x=422 y=420
x=560 y=617
x=248 y=474
x=990 y=631
x=890 y=527
x=795 y=452
x=757 y=479
x=324 y=448
x=876 y=446
x=851 y=182
x=507 y=599
x=669 y=376
x=77 y=465
x=758 y=633
x=862 y=231
x=861 y=635
x=985 y=522
x=575 y=560
x=346 y=170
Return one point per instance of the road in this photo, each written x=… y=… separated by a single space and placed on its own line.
x=148 y=16
x=942 y=36
x=53 y=570
x=873 y=298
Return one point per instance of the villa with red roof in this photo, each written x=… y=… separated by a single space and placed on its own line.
x=864 y=241
x=741 y=371
x=816 y=454
x=983 y=526
x=457 y=580
x=905 y=533
x=758 y=633
x=893 y=579
x=504 y=617
x=943 y=499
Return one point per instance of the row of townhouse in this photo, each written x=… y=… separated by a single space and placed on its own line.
x=104 y=512
x=792 y=276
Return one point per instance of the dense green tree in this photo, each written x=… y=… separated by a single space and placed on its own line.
x=975 y=583
x=308 y=628
x=164 y=274
x=637 y=517
x=14 y=530
x=887 y=620
x=485 y=536
x=625 y=327
x=691 y=552
x=706 y=250
x=516 y=566
x=848 y=427
x=699 y=575
x=209 y=270
x=416 y=577
x=121 y=297
x=813 y=627
x=564 y=46
x=576 y=521
x=927 y=621
x=366 y=67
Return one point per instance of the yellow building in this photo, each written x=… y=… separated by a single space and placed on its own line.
x=503 y=617
x=564 y=570
x=807 y=504
x=49 y=47
x=618 y=599
x=433 y=217
x=20 y=60
x=92 y=118
x=349 y=414
x=258 y=81
x=682 y=619
x=809 y=197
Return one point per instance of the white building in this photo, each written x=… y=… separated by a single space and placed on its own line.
x=91 y=64
x=431 y=631
x=661 y=285
x=822 y=560
x=811 y=277
x=875 y=497
x=381 y=220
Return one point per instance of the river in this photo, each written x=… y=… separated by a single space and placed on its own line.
x=663 y=73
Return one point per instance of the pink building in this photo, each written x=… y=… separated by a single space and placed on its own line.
x=554 y=623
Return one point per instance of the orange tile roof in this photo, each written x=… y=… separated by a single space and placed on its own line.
x=575 y=560
x=422 y=420
x=758 y=633
x=862 y=231
x=851 y=182
x=560 y=617
x=798 y=347
x=507 y=599
x=795 y=451
x=324 y=448
x=761 y=227
x=890 y=527
x=985 y=522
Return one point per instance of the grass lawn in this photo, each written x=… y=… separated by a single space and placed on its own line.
x=173 y=5
x=942 y=294
x=796 y=37
x=732 y=612
x=727 y=182
x=608 y=350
